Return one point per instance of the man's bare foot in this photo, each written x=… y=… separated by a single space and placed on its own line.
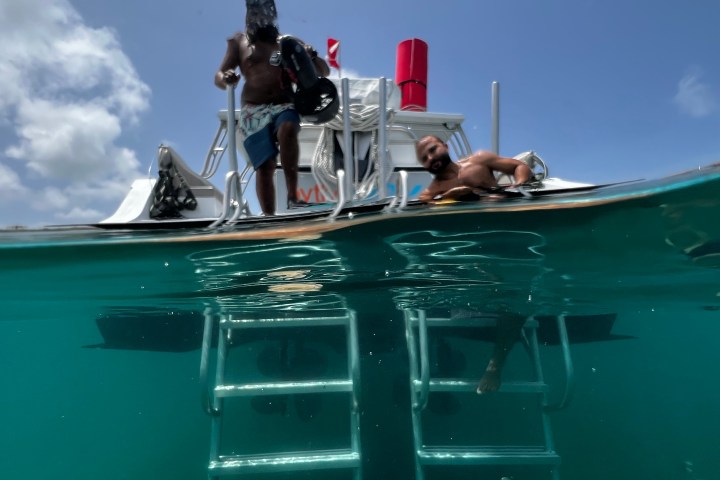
x=490 y=382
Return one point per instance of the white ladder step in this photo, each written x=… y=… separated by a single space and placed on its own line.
x=469 y=385
x=282 y=388
x=490 y=455
x=231 y=323
x=284 y=462
x=476 y=322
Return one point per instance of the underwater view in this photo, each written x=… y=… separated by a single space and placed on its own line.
x=324 y=340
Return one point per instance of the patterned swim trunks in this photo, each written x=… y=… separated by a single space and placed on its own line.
x=259 y=125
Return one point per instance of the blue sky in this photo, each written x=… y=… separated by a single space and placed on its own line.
x=603 y=90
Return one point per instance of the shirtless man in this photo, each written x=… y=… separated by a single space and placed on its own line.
x=466 y=178
x=268 y=120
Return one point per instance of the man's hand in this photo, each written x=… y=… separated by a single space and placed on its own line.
x=231 y=77
x=311 y=51
x=459 y=193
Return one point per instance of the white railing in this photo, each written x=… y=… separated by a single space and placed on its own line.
x=234 y=203
x=233 y=200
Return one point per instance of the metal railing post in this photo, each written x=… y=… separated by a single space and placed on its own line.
x=569 y=389
x=232 y=159
x=495 y=135
x=349 y=157
x=382 y=140
x=236 y=199
x=341 y=194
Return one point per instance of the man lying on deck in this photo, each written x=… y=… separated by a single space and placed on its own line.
x=468 y=178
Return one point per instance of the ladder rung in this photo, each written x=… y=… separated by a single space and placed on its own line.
x=235 y=323
x=479 y=321
x=284 y=462
x=466 y=385
x=282 y=388
x=491 y=455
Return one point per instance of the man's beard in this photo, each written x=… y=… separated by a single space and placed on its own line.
x=440 y=163
x=266 y=34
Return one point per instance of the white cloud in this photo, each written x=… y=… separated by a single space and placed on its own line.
x=10 y=184
x=67 y=92
x=79 y=215
x=694 y=97
x=65 y=141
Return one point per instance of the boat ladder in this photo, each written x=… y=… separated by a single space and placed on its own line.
x=540 y=454
x=230 y=325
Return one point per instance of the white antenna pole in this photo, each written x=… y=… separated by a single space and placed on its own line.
x=495 y=135
x=348 y=154
x=382 y=140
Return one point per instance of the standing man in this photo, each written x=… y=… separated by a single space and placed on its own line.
x=466 y=177
x=268 y=120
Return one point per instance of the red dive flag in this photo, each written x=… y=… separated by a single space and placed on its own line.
x=333 y=52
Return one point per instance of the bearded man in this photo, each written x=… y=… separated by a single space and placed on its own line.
x=467 y=178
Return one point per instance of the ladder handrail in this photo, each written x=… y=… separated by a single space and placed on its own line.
x=231 y=128
x=233 y=194
x=232 y=184
x=569 y=389
x=354 y=371
x=412 y=354
x=354 y=357
x=341 y=194
x=206 y=398
x=403 y=188
x=424 y=361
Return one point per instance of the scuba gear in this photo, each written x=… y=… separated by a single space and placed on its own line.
x=316 y=98
x=171 y=193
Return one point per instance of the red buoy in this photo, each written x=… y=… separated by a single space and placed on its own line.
x=411 y=69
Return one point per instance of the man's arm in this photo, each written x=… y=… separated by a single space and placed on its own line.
x=460 y=193
x=511 y=166
x=425 y=196
x=430 y=192
x=226 y=74
x=437 y=191
x=456 y=193
x=479 y=170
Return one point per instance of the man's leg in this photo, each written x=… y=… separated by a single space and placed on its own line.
x=265 y=186
x=287 y=136
x=509 y=328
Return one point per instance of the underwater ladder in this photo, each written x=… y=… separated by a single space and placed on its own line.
x=228 y=324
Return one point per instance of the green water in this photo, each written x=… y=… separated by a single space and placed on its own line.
x=78 y=405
